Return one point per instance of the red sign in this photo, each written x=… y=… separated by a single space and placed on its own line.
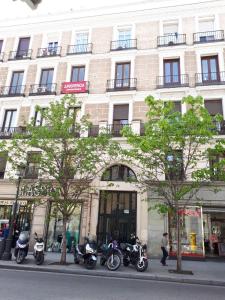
x=74 y=87
x=190 y=212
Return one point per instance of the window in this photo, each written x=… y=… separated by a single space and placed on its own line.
x=77 y=73
x=177 y=106
x=122 y=75
x=1 y=44
x=210 y=69
x=206 y=28
x=46 y=79
x=217 y=165
x=119 y=173
x=120 y=118
x=3 y=161
x=16 y=82
x=9 y=120
x=214 y=107
x=52 y=48
x=170 y=29
x=32 y=168
x=38 y=118
x=171 y=71
x=206 y=25
x=174 y=165
x=23 y=47
x=81 y=42
x=124 y=37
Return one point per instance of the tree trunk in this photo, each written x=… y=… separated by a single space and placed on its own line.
x=63 y=250
x=179 y=254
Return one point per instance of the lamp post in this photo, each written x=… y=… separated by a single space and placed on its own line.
x=7 y=255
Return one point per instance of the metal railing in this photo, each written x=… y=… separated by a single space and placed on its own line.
x=49 y=51
x=115 y=129
x=121 y=84
x=12 y=91
x=208 y=36
x=43 y=89
x=213 y=78
x=31 y=172
x=172 y=81
x=79 y=49
x=172 y=39
x=7 y=132
x=123 y=44
x=93 y=131
x=21 y=54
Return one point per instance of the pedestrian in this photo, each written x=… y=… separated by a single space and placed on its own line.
x=6 y=231
x=164 y=245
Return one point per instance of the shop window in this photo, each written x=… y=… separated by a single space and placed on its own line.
x=119 y=173
x=3 y=161
x=174 y=165
x=32 y=168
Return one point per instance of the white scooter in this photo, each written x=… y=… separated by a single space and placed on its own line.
x=39 y=250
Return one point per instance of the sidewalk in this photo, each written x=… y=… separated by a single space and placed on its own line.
x=205 y=272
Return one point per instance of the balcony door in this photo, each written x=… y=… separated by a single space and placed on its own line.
x=77 y=74
x=210 y=69
x=23 y=47
x=124 y=37
x=46 y=79
x=122 y=75
x=120 y=118
x=16 y=82
x=9 y=122
x=172 y=72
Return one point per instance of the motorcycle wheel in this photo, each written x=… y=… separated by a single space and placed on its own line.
x=39 y=259
x=20 y=257
x=126 y=262
x=141 y=266
x=113 y=262
x=91 y=264
x=102 y=261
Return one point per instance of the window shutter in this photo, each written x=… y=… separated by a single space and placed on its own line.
x=121 y=112
x=214 y=107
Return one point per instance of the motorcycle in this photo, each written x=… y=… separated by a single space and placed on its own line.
x=135 y=254
x=111 y=256
x=39 y=250
x=22 y=245
x=86 y=253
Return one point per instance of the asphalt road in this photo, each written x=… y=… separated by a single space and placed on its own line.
x=25 y=285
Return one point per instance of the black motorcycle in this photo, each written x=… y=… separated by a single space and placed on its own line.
x=111 y=256
x=87 y=253
x=135 y=254
x=22 y=245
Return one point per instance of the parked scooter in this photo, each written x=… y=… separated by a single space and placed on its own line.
x=39 y=250
x=111 y=256
x=87 y=253
x=22 y=245
x=135 y=254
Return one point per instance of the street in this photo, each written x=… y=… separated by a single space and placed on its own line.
x=26 y=285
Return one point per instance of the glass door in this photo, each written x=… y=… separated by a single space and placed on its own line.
x=210 y=69
x=122 y=75
x=23 y=47
x=171 y=72
x=16 y=83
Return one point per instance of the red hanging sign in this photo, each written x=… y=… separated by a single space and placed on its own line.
x=74 y=87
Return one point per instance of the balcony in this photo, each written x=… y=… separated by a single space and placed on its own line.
x=220 y=127
x=208 y=37
x=12 y=91
x=127 y=84
x=31 y=172
x=43 y=89
x=2 y=56
x=93 y=131
x=7 y=132
x=173 y=39
x=79 y=49
x=123 y=45
x=173 y=81
x=21 y=54
x=49 y=52
x=115 y=129
x=75 y=87
x=213 y=78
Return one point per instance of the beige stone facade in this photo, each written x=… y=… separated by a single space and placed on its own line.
x=99 y=73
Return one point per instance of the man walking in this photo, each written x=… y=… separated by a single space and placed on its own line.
x=164 y=245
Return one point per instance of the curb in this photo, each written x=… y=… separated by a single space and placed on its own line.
x=115 y=274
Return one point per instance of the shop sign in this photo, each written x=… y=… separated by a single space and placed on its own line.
x=190 y=212
x=11 y=202
x=74 y=87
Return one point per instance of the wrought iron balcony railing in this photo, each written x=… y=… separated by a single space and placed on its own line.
x=213 y=78
x=172 y=39
x=31 y=172
x=7 y=132
x=123 y=45
x=43 y=89
x=125 y=84
x=172 y=81
x=115 y=129
x=93 y=131
x=208 y=36
x=79 y=49
x=12 y=91
x=48 y=52
x=220 y=127
x=21 y=54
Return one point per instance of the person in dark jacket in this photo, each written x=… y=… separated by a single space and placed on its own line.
x=164 y=245
x=6 y=231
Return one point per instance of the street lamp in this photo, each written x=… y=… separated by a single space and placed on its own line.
x=7 y=255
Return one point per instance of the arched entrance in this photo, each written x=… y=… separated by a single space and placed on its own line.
x=117 y=209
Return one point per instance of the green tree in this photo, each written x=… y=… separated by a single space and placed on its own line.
x=67 y=161
x=168 y=155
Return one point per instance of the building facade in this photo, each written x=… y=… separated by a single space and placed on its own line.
x=112 y=58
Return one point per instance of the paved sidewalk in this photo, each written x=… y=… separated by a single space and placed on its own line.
x=205 y=272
